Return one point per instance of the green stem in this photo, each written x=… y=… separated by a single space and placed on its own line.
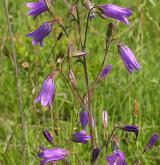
x=109 y=138
x=93 y=140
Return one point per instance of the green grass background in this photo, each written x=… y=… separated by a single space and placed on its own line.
x=116 y=95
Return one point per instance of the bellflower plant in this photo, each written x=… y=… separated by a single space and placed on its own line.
x=36 y=8
x=51 y=155
x=128 y=58
x=39 y=34
x=47 y=92
x=78 y=53
x=116 y=12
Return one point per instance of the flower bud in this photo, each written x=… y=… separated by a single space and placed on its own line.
x=48 y=136
x=105 y=72
x=152 y=141
x=104 y=119
x=130 y=128
x=109 y=30
x=95 y=154
x=84 y=118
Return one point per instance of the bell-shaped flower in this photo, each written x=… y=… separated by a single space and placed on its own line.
x=128 y=58
x=84 y=119
x=36 y=8
x=116 y=12
x=47 y=92
x=52 y=155
x=39 y=34
x=81 y=137
x=116 y=158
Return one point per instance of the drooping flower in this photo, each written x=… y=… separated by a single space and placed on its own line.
x=84 y=118
x=105 y=72
x=104 y=119
x=116 y=12
x=131 y=128
x=51 y=155
x=39 y=34
x=48 y=136
x=128 y=58
x=47 y=92
x=36 y=8
x=95 y=154
x=81 y=137
x=116 y=158
x=151 y=142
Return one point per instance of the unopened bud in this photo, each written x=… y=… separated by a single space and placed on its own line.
x=48 y=136
x=70 y=51
x=95 y=154
x=105 y=72
x=84 y=118
x=152 y=141
x=79 y=53
x=104 y=119
x=73 y=10
x=130 y=128
x=109 y=30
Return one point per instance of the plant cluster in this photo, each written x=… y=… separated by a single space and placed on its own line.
x=76 y=53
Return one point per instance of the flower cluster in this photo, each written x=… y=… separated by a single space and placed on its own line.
x=45 y=29
x=47 y=91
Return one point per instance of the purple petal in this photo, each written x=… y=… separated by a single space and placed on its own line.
x=116 y=12
x=84 y=118
x=128 y=58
